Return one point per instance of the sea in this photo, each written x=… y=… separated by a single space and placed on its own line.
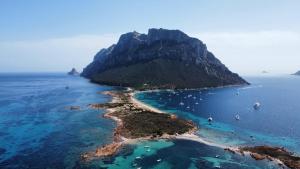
x=39 y=130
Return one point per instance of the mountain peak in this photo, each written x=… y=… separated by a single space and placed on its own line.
x=165 y=34
x=162 y=59
x=73 y=72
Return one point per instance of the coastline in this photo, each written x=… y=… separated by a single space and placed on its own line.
x=196 y=138
x=189 y=89
x=143 y=105
x=120 y=140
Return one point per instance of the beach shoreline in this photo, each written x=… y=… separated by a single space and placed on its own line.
x=120 y=140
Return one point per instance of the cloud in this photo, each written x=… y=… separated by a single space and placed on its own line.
x=242 y=52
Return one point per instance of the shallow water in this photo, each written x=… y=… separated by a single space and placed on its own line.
x=178 y=154
x=36 y=128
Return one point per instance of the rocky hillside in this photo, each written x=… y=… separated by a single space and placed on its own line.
x=160 y=59
x=297 y=73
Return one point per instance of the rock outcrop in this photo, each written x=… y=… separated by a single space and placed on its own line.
x=160 y=59
x=297 y=73
x=73 y=72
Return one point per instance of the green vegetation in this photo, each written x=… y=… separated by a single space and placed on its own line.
x=161 y=74
x=147 y=123
x=138 y=122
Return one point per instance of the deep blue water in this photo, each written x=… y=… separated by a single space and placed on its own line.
x=39 y=131
x=276 y=122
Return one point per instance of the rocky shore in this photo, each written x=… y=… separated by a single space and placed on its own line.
x=136 y=122
x=279 y=154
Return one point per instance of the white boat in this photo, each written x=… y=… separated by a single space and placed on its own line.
x=237 y=117
x=158 y=160
x=256 y=105
x=210 y=119
x=181 y=103
x=138 y=157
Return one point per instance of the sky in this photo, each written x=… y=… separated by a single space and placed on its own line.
x=248 y=36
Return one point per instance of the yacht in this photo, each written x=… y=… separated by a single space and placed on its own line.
x=256 y=105
x=237 y=117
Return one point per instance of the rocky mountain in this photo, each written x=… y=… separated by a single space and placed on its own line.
x=160 y=59
x=297 y=73
x=73 y=72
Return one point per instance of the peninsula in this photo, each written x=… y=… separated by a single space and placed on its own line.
x=136 y=121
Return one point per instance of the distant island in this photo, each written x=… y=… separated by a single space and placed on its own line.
x=297 y=73
x=160 y=59
x=73 y=72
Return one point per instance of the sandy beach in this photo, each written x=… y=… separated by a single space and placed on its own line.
x=143 y=105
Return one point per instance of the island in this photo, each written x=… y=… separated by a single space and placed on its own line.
x=73 y=72
x=162 y=59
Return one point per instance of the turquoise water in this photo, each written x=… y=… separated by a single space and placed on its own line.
x=178 y=154
x=38 y=130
